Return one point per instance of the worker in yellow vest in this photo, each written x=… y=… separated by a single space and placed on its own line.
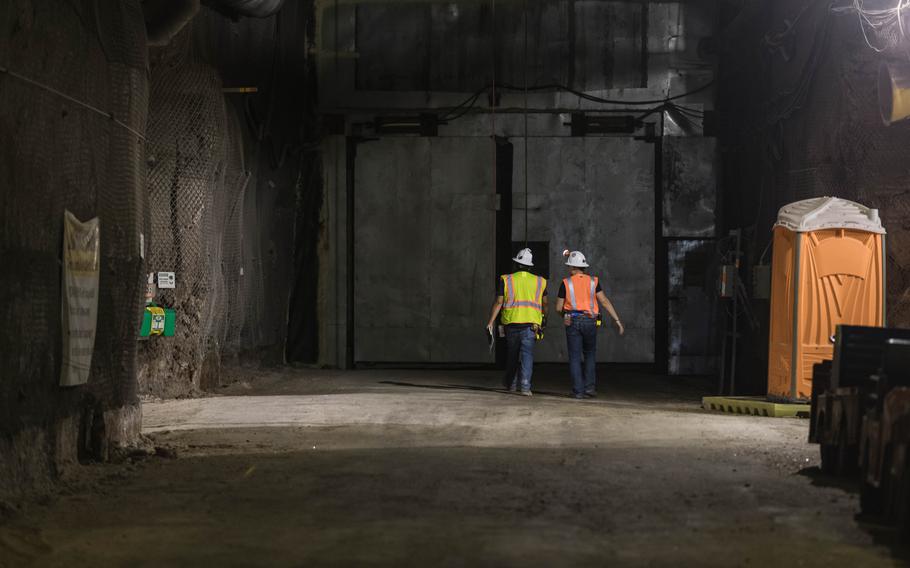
x=579 y=296
x=521 y=299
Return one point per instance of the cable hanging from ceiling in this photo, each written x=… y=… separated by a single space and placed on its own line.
x=492 y=113
x=526 y=152
x=466 y=106
x=880 y=21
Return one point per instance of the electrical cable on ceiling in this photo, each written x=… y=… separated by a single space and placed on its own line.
x=467 y=105
x=685 y=112
x=592 y=98
x=780 y=41
x=526 y=119
x=878 y=20
x=798 y=94
x=688 y=110
x=83 y=104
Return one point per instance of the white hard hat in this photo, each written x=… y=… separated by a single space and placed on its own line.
x=575 y=259
x=524 y=257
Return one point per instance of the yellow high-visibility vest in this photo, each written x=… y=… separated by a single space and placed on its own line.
x=522 y=298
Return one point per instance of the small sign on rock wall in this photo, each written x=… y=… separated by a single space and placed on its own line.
x=81 y=259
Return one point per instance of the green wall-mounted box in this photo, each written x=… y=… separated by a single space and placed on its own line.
x=155 y=322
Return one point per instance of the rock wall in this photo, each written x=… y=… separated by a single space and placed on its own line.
x=229 y=200
x=73 y=103
x=800 y=119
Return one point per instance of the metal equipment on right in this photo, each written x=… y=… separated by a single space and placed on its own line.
x=861 y=418
x=884 y=447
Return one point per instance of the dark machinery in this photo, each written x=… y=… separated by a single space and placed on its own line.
x=885 y=437
x=838 y=394
x=861 y=417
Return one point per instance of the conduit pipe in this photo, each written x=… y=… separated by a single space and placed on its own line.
x=165 y=18
x=894 y=91
x=249 y=8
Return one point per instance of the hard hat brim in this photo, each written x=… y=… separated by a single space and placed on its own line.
x=523 y=262
x=577 y=264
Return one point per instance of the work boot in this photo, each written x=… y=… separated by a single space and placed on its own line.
x=590 y=394
x=525 y=393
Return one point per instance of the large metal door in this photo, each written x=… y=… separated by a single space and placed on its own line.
x=423 y=249
x=595 y=195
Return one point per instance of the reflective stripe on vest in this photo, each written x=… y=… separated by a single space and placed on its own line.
x=590 y=304
x=522 y=302
x=512 y=302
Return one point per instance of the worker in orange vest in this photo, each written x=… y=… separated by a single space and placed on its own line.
x=521 y=301
x=578 y=301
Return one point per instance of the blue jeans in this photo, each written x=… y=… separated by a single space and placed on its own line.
x=581 y=339
x=520 y=357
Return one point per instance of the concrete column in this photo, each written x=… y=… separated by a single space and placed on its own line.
x=333 y=244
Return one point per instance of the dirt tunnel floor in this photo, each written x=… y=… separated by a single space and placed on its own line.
x=436 y=468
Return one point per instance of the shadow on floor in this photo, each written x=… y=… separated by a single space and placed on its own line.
x=882 y=533
x=821 y=479
x=499 y=390
x=887 y=536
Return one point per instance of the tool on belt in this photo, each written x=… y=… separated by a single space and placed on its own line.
x=598 y=319
x=539 y=330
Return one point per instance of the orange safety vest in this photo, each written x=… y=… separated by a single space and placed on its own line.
x=581 y=292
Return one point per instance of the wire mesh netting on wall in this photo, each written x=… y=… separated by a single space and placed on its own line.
x=196 y=186
x=70 y=67
x=836 y=144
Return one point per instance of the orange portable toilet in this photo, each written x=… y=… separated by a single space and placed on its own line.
x=827 y=270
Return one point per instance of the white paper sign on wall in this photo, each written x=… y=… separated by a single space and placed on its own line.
x=167 y=280
x=81 y=262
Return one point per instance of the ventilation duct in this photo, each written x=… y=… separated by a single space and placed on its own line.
x=250 y=8
x=894 y=91
x=165 y=18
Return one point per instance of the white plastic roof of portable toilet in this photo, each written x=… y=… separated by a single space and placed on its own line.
x=829 y=213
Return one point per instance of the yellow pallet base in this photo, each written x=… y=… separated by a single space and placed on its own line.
x=754 y=406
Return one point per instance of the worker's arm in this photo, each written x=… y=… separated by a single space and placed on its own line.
x=608 y=305
x=543 y=306
x=560 y=304
x=494 y=313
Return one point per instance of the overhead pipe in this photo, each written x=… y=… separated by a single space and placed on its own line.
x=249 y=8
x=165 y=18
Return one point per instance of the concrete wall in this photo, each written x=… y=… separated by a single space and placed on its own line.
x=333 y=259
x=424 y=249
x=690 y=169
x=595 y=195
x=594 y=46
x=428 y=57
x=424 y=240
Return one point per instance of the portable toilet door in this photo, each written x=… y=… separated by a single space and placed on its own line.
x=827 y=270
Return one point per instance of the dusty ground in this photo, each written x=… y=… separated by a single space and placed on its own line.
x=437 y=468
